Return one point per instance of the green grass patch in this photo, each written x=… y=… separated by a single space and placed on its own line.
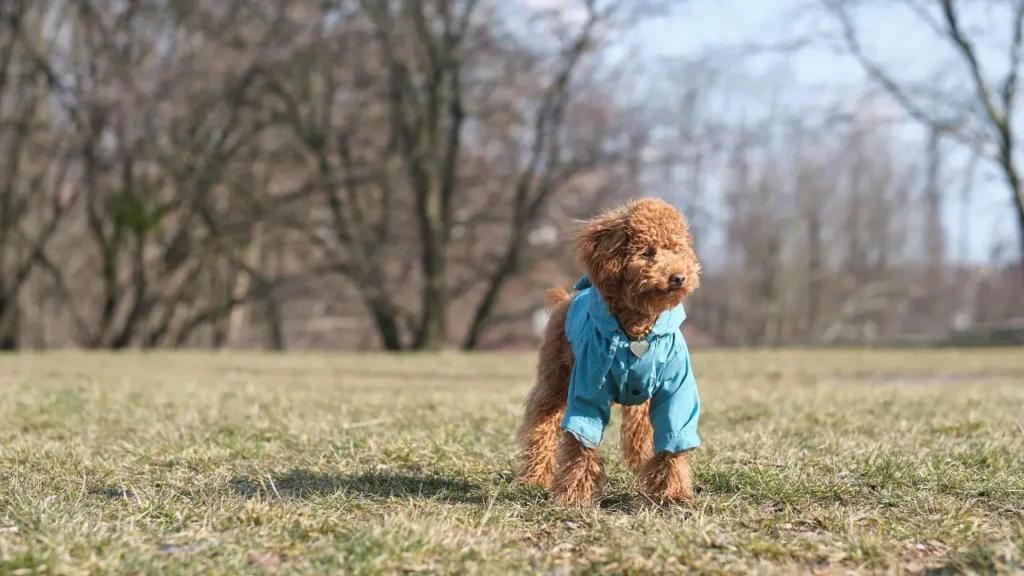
x=812 y=461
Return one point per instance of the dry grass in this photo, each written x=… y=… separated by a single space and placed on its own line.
x=812 y=461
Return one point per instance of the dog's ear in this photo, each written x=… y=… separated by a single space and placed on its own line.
x=600 y=243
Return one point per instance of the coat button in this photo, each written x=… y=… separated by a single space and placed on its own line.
x=635 y=391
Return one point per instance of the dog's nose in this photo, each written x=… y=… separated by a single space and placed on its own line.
x=676 y=280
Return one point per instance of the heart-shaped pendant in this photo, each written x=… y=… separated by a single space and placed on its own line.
x=638 y=348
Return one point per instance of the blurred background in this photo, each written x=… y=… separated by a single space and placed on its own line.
x=404 y=174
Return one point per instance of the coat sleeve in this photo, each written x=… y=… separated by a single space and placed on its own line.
x=590 y=398
x=675 y=409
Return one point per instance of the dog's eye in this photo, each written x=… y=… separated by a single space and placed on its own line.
x=650 y=252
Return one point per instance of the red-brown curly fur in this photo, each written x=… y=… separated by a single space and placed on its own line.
x=629 y=253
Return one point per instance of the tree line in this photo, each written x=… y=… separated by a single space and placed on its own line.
x=405 y=175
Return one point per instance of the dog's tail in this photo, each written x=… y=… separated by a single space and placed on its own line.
x=553 y=296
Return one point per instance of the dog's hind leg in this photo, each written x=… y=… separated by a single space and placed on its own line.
x=545 y=405
x=637 y=436
x=539 y=432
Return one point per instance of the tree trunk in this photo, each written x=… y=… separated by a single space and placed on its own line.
x=387 y=324
x=8 y=325
x=1013 y=182
x=435 y=295
x=934 y=233
x=816 y=269
x=238 y=318
x=275 y=325
x=486 y=306
x=1018 y=198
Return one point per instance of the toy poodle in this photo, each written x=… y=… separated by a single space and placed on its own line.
x=617 y=340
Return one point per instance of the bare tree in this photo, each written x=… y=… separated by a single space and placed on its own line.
x=35 y=195
x=548 y=165
x=382 y=107
x=987 y=122
x=150 y=170
x=405 y=174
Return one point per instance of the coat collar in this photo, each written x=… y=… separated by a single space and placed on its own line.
x=668 y=321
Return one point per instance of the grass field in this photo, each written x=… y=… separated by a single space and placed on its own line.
x=813 y=461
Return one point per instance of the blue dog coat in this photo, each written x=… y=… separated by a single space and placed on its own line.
x=606 y=371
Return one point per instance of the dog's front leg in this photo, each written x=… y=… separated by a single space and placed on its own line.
x=580 y=474
x=667 y=478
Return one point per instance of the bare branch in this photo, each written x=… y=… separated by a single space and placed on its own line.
x=967 y=49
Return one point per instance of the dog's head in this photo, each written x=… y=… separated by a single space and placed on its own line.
x=640 y=255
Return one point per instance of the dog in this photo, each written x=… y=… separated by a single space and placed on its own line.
x=617 y=341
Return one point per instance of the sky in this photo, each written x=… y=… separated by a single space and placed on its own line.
x=895 y=38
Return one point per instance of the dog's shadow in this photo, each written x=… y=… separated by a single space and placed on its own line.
x=395 y=485
x=304 y=484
